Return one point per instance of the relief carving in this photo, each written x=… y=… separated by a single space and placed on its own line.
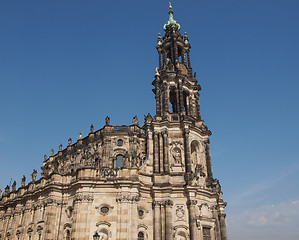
x=180 y=213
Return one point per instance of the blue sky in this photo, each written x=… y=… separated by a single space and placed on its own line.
x=67 y=64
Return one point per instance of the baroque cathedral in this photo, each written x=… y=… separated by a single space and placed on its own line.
x=122 y=182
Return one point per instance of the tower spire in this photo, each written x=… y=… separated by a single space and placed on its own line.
x=171 y=24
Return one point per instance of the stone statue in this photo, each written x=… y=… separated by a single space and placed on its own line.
x=70 y=141
x=91 y=128
x=176 y=153
x=23 y=181
x=60 y=147
x=45 y=157
x=107 y=119
x=6 y=191
x=0 y=192
x=14 y=186
x=135 y=121
x=157 y=72
x=80 y=135
x=52 y=152
x=33 y=175
x=148 y=119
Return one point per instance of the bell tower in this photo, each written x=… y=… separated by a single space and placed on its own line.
x=187 y=199
x=176 y=88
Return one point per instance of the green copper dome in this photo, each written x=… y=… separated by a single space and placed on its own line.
x=171 y=23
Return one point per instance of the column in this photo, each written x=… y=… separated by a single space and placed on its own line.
x=163 y=220
x=181 y=96
x=165 y=144
x=223 y=226
x=188 y=58
x=177 y=107
x=187 y=150
x=158 y=103
x=168 y=225
x=192 y=219
x=156 y=153
x=161 y=153
x=208 y=161
x=160 y=64
x=167 y=102
x=157 y=220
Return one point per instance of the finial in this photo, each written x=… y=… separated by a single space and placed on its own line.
x=186 y=38
x=60 y=147
x=159 y=37
x=91 y=128
x=80 y=135
x=171 y=24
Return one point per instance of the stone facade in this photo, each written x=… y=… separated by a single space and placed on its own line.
x=129 y=182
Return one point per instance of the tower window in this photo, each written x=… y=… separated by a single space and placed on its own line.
x=173 y=101
x=119 y=161
x=140 y=236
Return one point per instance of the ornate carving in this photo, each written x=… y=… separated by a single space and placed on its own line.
x=83 y=198
x=180 y=212
x=192 y=202
x=69 y=211
x=107 y=172
x=148 y=119
x=127 y=198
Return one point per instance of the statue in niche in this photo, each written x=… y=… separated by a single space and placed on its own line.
x=107 y=120
x=33 y=175
x=176 y=154
x=126 y=160
x=141 y=157
x=14 y=186
x=23 y=181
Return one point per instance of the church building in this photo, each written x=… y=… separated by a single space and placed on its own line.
x=129 y=182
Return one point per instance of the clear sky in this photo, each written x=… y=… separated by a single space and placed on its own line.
x=67 y=64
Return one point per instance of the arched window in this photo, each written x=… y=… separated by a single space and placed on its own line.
x=119 y=161
x=173 y=100
x=67 y=235
x=141 y=236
